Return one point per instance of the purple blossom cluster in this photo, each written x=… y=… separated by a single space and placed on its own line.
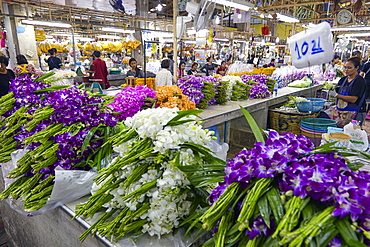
x=259 y=228
x=71 y=106
x=287 y=78
x=327 y=76
x=258 y=78
x=324 y=177
x=131 y=100
x=259 y=91
x=193 y=87
x=327 y=178
x=264 y=160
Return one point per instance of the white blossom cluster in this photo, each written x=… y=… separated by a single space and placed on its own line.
x=167 y=202
x=231 y=83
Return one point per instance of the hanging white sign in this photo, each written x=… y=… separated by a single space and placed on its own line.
x=312 y=47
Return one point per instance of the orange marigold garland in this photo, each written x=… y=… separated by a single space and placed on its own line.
x=171 y=97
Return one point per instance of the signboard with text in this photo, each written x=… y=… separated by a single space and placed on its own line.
x=313 y=46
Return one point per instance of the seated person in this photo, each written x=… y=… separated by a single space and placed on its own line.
x=193 y=70
x=134 y=71
x=271 y=64
x=222 y=69
x=350 y=96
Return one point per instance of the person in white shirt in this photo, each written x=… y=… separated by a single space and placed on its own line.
x=164 y=76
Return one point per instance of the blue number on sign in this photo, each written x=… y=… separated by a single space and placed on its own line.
x=304 y=48
x=297 y=50
x=316 y=47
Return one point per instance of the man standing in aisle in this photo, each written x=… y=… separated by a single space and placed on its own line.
x=164 y=76
x=99 y=68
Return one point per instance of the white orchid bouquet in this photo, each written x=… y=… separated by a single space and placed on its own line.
x=61 y=77
x=157 y=178
x=236 y=88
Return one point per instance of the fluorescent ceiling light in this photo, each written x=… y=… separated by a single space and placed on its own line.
x=357 y=34
x=218 y=39
x=85 y=39
x=350 y=29
x=46 y=23
x=117 y=30
x=108 y=37
x=285 y=18
x=237 y=4
x=162 y=34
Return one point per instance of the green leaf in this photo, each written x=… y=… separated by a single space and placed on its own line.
x=47 y=75
x=326 y=236
x=50 y=89
x=181 y=114
x=175 y=123
x=258 y=134
x=356 y=243
x=345 y=230
x=271 y=242
x=277 y=207
x=264 y=209
x=355 y=166
x=88 y=137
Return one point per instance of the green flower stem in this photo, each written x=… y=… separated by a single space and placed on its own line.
x=48 y=162
x=7 y=106
x=93 y=205
x=38 y=117
x=36 y=205
x=6 y=97
x=297 y=237
x=10 y=131
x=212 y=215
x=26 y=187
x=144 y=188
x=285 y=224
x=131 y=227
x=19 y=171
x=42 y=185
x=250 y=202
x=136 y=174
x=224 y=227
x=109 y=229
x=124 y=138
x=46 y=192
x=6 y=193
x=92 y=229
x=51 y=130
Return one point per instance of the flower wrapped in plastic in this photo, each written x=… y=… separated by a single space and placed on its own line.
x=59 y=126
x=283 y=192
x=146 y=189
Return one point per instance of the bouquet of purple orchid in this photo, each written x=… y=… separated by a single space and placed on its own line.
x=60 y=126
x=200 y=90
x=261 y=85
x=283 y=192
x=131 y=100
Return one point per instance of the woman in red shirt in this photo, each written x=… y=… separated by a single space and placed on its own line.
x=181 y=70
x=222 y=69
x=99 y=68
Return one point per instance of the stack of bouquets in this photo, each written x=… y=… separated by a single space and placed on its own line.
x=200 y=90
x=172 y=97
x=261 y=85
x=287 y=74
x=326 y=76
x=131 y=100
x=60 y=126
x=61 y=77
x=155 y=181
x=284 y=193
x=236 y=89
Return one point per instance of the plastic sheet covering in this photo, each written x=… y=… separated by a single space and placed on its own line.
x=69 y=185
x=219 y=149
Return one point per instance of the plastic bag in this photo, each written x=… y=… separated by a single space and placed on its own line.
x=359 y=140
x=69 y=185
x=219 y=149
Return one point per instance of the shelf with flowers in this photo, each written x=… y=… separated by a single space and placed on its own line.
x=285 y=192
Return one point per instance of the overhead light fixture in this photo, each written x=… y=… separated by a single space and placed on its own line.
x=285 y=18
x=350 y=29
x=46 y=23
x=108 y=37
x=217 y=20
x=117 y=30
x=237 y=4
x=85 y=39
x=357 y=34
x=239 y=16
x=277 y=40
x=159 y=7
x=219 y=39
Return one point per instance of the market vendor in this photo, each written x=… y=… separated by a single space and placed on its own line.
x=181 y=70
x=5 y=75
x=365 y=73
x=271 y=64
x=222 y=69
x=99 y=68
x=350 y=96
x=209 y=68
x=193 y=71
x=54 y=62
x=164 y=76
x=134 y=71
x=23 y=66
x=331 y=66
